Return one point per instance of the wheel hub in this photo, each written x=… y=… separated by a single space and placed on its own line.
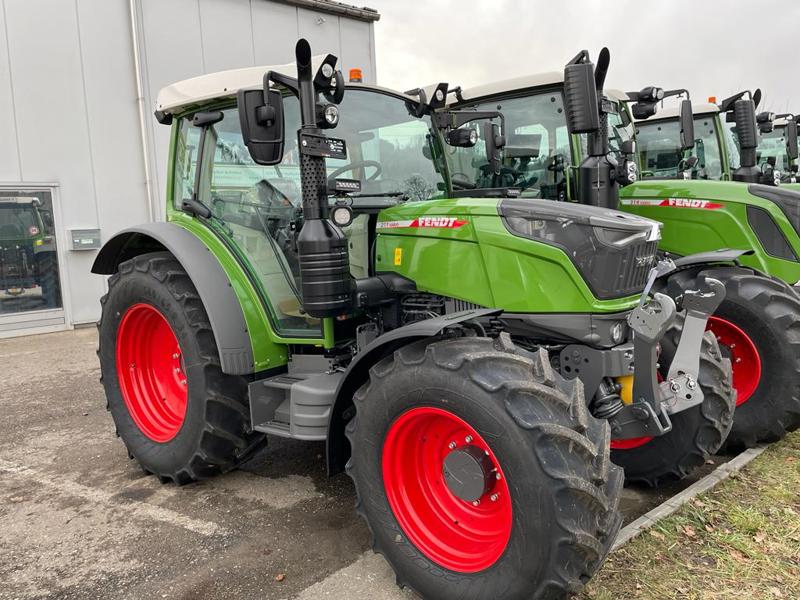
x=468 y=473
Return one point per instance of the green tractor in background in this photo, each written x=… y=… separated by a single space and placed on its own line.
x=708 y=198
x=431 y=339
x=758 y=323
x=27 y=250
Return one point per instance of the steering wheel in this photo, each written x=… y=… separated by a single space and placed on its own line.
x=363 y=164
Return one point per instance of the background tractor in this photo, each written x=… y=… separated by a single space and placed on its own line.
x=548 y=156
x=27 y=249
x=425 y=338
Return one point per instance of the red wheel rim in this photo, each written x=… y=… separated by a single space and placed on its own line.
x=630 y=444
x=458 y=535
x=746 y=362
x=150 y=372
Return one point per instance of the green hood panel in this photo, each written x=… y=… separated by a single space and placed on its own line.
x=699 y=216
x=461 y=248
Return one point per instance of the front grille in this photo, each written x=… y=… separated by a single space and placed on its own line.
x=635 y=271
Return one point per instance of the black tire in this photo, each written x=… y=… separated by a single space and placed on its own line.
x=565 y=491
x=697 y=432
x=215 y=435
x=768 y=311
x=47 y=268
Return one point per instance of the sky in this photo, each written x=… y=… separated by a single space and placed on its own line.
x=711 y=47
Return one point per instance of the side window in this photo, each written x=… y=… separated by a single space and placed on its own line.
x=255 y=208
x=185 y=161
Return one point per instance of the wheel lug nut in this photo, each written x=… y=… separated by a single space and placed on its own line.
x=738 y=360
x=451 y=445
x=476 y=502
x=176 y=356
x=468 y=439
x=497 y=476
x=494 y=497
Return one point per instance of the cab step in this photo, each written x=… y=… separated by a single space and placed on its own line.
x=296 y=404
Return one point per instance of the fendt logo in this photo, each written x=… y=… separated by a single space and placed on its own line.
x=672 y=202
x=433 y=222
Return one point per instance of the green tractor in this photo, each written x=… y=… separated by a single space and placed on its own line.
x=758 y=323
x=424 y=336
x=27 y=249
x=701 y=213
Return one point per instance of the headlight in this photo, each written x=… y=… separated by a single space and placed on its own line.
x=342 y=215
x=331 y=114
x=616 y=332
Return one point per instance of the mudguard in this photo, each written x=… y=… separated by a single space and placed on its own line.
x=715 y=256
x=358 y=371
x=220 y=301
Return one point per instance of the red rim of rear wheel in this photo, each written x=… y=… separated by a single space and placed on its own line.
x=630 y=444
x=745 y=360
x=150 y=372
x=462 y=536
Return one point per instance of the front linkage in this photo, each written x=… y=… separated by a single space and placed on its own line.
x=647 y=412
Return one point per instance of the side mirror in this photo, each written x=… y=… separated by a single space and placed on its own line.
x=463 y=137
x=687 y=125
x=791 y=139
x=628 y=147
x=261 y=120
x=580 y=96
x=494 y=142
x=744 y=115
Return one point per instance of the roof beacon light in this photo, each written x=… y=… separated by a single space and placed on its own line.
x=712 y=99
x=355 y=76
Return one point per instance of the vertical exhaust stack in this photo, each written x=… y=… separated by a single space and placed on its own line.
x=583 y=92
x=326 y=284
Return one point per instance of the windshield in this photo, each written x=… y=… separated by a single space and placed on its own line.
x=388 y=151
x=773 y=145
x=18 y=221
x=536 y=154
x=660 y=153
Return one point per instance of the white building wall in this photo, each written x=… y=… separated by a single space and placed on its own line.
x=69 y=107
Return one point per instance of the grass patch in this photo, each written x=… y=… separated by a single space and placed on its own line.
x=739 y=540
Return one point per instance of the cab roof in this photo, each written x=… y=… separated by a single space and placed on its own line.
x=673 y=112
x=226 y=84
x=549 y=78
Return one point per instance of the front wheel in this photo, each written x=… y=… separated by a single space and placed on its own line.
x=481 y=473
x=178 y=414
x=757 y=327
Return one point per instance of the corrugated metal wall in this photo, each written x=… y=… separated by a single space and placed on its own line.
x=69 y=105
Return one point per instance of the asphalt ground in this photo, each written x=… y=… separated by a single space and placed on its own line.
x=79 y=519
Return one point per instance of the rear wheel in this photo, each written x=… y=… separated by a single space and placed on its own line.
x=481 y=473
x=757 y=326
x=697 y=432
x=47 y=268
x=178 y=414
